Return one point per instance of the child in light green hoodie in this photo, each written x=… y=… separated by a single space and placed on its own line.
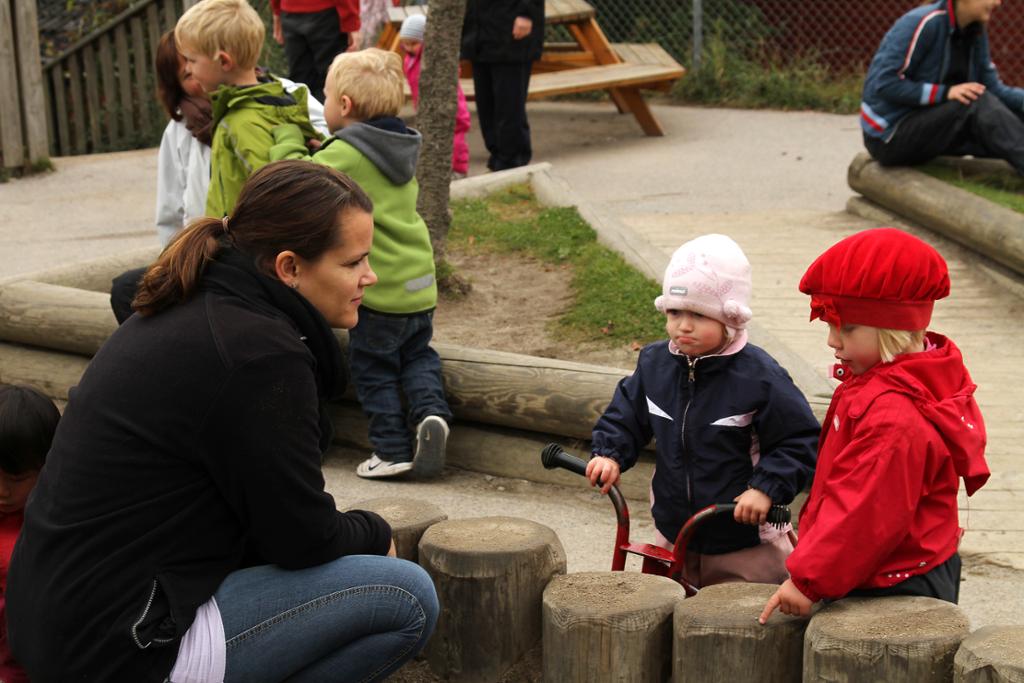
x=389 y=349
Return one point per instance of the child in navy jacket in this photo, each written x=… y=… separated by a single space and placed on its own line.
x=730 y=424
x=932 y=89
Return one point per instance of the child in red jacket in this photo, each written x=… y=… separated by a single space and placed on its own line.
x=902 y=429
x=28 y=420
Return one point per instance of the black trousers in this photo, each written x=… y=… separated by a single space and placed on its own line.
x=311 y=41
x=501 y=90
x=122 y=291
x=984 y=128
x=942 y=582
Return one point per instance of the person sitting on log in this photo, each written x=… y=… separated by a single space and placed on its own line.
x=729 y=422
x=932 y=89
x=902 y=429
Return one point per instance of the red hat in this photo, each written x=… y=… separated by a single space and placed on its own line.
x=883 y=278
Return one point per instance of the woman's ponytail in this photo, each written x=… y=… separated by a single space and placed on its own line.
x=284 y=206
x=176 y=273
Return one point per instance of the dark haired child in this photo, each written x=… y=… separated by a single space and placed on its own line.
x=28 y=420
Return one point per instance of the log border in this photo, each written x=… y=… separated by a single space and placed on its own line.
x=77 y=293
x=983 y=226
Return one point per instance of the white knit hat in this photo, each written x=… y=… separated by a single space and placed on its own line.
x=413 y=27
x=709 y=275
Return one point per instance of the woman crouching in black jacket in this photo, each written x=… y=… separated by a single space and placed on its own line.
x=192 y=445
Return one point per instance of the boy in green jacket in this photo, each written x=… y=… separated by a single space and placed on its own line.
x=389 y=349
x=221 y=42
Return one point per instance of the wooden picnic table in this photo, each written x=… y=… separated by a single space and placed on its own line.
x=590 y=62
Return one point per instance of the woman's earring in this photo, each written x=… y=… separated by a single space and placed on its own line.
x=294 y=284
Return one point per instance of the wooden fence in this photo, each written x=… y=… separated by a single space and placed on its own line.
x=101 y=92
x=22 y=131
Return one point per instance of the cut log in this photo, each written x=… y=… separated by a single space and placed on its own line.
x=896 y=639
x=506 y=389
x=52 y=372
x=408 y=517
x=490 y=574
x=94 y=274
x=55 y=317
x=718 y=639
x=499 y=451
x=993 y=654
x=609 y=626
x=982 y=225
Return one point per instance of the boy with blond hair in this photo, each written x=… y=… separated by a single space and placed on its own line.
x=221 y=42
x=389 y=349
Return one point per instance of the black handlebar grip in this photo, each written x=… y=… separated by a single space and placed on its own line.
x=779 y=516
x=554 y=456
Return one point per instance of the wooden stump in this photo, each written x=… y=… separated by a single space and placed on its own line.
x=993 y=654
x=717 y=637
x=490 y=574
x=909 y=639
x=609 y=626
x=408 y=517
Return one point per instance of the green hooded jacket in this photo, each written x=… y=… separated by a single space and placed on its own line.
x=383 y=163
x=243 y=117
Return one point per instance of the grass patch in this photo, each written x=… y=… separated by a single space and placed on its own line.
x=612 y=300
x=728 y=77
x=1002 y=188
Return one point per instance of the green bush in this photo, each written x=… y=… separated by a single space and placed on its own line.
x=759 y=79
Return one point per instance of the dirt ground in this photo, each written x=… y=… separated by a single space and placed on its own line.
x=513 y=302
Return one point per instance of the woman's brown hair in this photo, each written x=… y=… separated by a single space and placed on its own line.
x=168 y=86
x=286 y=205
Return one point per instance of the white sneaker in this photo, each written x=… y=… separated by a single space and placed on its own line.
x=375 y=468
x=431 y=438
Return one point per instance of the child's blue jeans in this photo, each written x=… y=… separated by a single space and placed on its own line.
x=390 y=356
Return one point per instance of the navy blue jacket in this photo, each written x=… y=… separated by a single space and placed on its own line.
x=911 y=64
x=708 y=417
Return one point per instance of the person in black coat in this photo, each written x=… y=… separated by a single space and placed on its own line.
x=502 y=39
x=180 y=529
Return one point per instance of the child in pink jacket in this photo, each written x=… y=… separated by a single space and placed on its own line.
x=411 y=39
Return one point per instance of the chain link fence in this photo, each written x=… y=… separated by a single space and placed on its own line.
x=841 y=34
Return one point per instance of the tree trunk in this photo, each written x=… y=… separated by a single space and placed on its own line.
x=718 y=639
x=992 y=654
x=609 y=626
x=898 y=639
x=408 y=517
x=490 y=574
x=436 y=116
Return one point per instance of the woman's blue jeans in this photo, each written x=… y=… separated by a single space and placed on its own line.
x=358 y=618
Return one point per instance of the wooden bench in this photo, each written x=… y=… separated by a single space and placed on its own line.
x=587 y=64
x=643 y=66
